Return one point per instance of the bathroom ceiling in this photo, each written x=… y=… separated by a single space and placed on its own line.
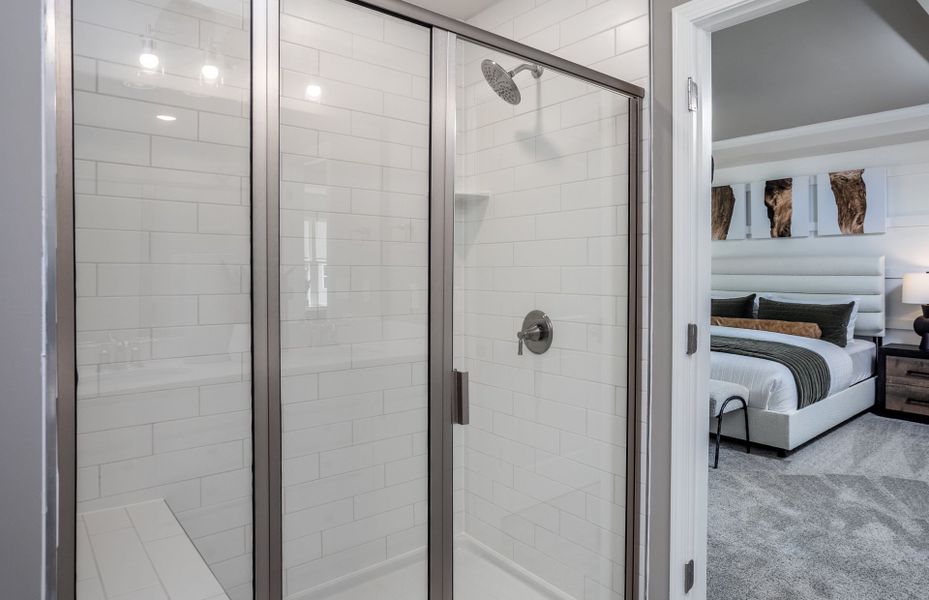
x=457 y=9
x=819 y=61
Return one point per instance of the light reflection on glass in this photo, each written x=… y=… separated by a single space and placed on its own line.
x=315 y=237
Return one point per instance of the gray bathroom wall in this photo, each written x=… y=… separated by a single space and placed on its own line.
x=21 y=337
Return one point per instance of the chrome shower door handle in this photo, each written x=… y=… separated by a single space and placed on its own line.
x=461 y=397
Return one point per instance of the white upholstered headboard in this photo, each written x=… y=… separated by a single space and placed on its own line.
x=809 y=276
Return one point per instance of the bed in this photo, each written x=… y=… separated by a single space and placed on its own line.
x=775 y=416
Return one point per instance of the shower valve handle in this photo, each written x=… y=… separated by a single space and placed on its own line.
x=533 y=332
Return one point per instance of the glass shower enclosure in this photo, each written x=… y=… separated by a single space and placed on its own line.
x=353 y=291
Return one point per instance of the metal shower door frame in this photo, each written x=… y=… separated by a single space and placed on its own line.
x=441 y=282
x=265 y=266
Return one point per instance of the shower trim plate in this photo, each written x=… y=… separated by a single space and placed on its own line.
x=536 y=334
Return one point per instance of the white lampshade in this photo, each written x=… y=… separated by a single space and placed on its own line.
x=916 y=288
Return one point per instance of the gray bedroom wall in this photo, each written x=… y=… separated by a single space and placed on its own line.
x=819 y=61
x=21 y=466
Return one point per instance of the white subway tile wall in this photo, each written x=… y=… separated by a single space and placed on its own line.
x=162 y=215
x=354 y=274
x=540 y=472
x=162 y=250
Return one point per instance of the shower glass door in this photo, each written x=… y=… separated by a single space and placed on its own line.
x=354 y=140
x=540 y=253
x=161 y=102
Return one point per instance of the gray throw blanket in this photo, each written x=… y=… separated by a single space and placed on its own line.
x=810 y=370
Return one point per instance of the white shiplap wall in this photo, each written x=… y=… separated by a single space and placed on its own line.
x=162 y=251
x=906 y=241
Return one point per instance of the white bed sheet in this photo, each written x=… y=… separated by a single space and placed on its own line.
x=770 y=384
x=864 y=358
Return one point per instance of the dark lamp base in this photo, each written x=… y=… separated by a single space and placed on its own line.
x=921 y=327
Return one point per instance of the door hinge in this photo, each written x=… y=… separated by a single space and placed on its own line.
x=693 y=95
x=691 y=338
x=689 y=576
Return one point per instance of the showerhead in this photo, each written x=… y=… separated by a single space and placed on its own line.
x=501 y=80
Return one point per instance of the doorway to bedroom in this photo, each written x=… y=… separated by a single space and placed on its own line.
x=818 y=478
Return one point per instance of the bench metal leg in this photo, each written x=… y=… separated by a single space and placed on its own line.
x=719 y=427
x=748 y=439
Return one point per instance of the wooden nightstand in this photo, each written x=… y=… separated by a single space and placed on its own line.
x=903 y=382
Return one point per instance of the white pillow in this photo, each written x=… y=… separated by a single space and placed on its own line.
x=806 y=299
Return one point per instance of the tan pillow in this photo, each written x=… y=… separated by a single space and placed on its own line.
x=810 y=330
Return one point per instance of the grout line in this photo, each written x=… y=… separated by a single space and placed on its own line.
x=93 y=557
x=145 y=550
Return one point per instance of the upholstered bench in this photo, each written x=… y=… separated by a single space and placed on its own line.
x=726 y=397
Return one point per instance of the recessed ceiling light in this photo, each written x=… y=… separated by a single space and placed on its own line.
x=166 y=117
x=313 y=91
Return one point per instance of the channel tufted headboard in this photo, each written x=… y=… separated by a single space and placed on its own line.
x=809 y=277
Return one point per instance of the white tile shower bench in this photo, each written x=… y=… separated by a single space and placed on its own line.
x=140 y=552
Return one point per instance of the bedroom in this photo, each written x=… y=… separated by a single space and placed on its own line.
x=820 y=225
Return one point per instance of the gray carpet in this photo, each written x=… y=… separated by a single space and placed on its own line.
x=845 y=518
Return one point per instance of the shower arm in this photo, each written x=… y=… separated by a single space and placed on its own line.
x=536 y=70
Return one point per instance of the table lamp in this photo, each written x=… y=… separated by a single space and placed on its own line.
x=916 y=291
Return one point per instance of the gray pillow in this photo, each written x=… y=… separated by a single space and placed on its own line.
x=737 y=308
x=831 y=318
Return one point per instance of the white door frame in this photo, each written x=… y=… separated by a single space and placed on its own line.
x=691 y=27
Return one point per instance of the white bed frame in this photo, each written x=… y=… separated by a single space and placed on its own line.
x=806 y=278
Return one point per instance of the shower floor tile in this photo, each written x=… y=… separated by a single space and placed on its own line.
x=140 y=552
